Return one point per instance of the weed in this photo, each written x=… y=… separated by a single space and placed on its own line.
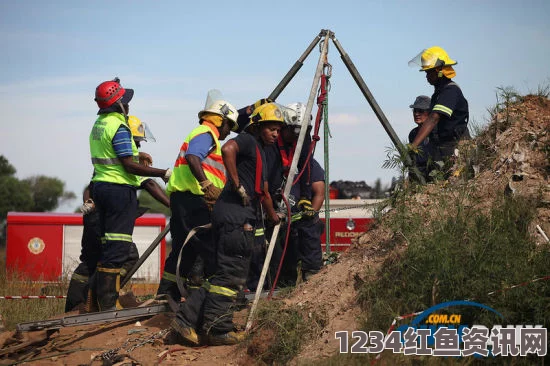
x=281 y=331
x=465 y=254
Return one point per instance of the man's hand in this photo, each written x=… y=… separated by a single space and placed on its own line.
x=211 y=193
x=145 y=159
x=87 y=207
x=244 y=196
x=167 y=175
x=307 y=210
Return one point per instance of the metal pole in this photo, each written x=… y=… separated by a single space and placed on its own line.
x=326 y=134
x=146 y=254
x=374 y=105
x=296 y=67
x=291 y=174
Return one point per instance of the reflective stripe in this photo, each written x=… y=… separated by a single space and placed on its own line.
x=118 y=237
x=79 y=277
x=168 y=276
x=106 y=161
x=259 y=232
x=219 y=290
x=111 y=161
x=108 y=270
x=442 y=108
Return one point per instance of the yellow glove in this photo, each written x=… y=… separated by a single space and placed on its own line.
x=307 y=210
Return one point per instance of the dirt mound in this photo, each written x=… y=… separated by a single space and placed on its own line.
x=511 y=155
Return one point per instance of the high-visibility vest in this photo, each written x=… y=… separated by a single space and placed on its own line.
x=107 y=166
x=182 y=180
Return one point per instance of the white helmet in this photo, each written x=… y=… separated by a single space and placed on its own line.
x=294 y=114
x=224 y=109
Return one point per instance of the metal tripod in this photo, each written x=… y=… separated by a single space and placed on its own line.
x=324 y=35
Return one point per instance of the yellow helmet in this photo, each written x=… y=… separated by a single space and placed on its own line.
x=140 y=131
x=269 y=112
x=431 y=58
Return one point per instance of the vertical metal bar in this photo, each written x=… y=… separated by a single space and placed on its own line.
x=291 y=174
x=327 y=186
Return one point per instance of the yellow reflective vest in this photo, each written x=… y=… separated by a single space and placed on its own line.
x=182 y=180
x=107 y=166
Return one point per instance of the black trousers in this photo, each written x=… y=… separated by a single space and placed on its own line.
x=189 y=211
x=117 y=207
x=211 y=308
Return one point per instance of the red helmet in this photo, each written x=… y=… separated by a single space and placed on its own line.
x=107 y=93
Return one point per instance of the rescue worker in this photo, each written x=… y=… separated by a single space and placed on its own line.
x=236 y=214
x=197 y=181
x=421 y=111
x=115 y=158
x=279 y=158
x=91 y=234
x=306 y=229
x=447 y=122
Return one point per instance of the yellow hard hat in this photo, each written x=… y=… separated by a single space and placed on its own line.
x=431 y=58
x=269 y=112
x=140 y=131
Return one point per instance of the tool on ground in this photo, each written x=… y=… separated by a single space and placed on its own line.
x=146 y=254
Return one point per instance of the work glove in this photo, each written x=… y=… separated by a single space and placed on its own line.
x=87 y=207
x=244 y=196
x=211 y=193
x=167 y=175
x=307 y=210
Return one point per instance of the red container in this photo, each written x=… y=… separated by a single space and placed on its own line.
x=46 y=246
x=341 y=235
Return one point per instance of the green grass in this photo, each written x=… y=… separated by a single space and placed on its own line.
x=281 y=331
x=25 y=310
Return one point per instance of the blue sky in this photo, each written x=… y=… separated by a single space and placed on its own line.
x=54 y=54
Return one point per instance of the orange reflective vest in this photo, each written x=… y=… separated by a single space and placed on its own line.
x=183 y=180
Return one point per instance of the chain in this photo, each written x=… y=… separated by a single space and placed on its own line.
x=137 y=342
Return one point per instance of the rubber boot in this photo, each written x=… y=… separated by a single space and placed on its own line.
x=77 y=291
x=226 y=339
x=133 y=257
x=187 y=333
x=107 y=287
x=91 y=299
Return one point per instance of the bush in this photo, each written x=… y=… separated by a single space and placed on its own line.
x=466 y=255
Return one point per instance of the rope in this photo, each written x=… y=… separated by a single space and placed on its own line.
x=321 y=106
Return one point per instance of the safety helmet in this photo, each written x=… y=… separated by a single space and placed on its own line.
x=268 y=112
x=140 y=130
x=107 y=93
x=224 y=109
x=294 y=114
x=431 y=58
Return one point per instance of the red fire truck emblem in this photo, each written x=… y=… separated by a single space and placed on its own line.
x=36 y=245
